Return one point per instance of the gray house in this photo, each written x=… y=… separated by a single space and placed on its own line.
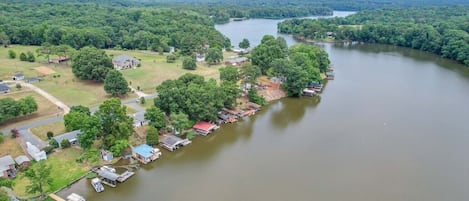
x=18 y=76
x=72 y=137
x=123 y=62
x=4 y=88
x=7 y=167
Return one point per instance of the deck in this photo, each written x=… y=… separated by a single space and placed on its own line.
x=124 y=176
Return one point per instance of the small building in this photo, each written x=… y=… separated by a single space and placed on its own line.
x=22 y=161
x=4 y=88
x=106 y=155
x=204 y=128
x=35 y=153
x=72 y=137
x=124 y=61
x=59 y=60
x=308 y=92
x=330 y=75
x=171 y=142
x=200 y=58
x=107 y=177
x=33 y=79
x=172 y=49
x=236 y=61
x=7 y=167
x=18 y=76
x=145 y=153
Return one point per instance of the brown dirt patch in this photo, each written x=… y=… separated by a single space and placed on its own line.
x=44 y=70
x=271 y=90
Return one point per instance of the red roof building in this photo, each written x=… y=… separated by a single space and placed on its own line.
x=204 y=128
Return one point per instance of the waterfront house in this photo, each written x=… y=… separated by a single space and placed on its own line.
x=18 y=76
x=35 y=153
x=4 y=88
x=72 y=137
x=22 y=161
x=171 y=142
x=107 y=177
x=7 y=167
x=204 y=128
x=123 y=62
x=145 y=153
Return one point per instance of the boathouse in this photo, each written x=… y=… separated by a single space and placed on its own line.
x=330 y=75
x=171 y=142
x=109 y=178
x=204 y=128
x=145 y=153
x=308 y=92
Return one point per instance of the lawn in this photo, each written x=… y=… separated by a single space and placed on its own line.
x=10 y=146
x=64 y=170
x=45 y=108
x=57 y=128
x=11 y=66
x=148 y=103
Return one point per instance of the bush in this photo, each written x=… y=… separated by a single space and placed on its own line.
x=18 y=85
x=30 y=57
x=171 y=58
x=48 y=149
x=142 y=100
x=65 y=144
x=189 y=63
x=23 y=57
x=256 y=98
x=50 y=134
x=190 y=135
x=53 y=143
x=11 y=54
x=1 y=137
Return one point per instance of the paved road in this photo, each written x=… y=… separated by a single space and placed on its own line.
x=34 y=140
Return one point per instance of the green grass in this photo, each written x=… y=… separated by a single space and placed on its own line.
x=10 y=66
x=148 y=103
x=64 y=170
x=57 y=128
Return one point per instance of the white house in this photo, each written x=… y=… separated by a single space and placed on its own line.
x=35 y=153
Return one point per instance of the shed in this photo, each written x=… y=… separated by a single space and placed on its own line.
x=7 y=167
x=171 y=142
x=35 y=153
x=204 y=128
x=4 y=88
x=33 y=79
x=18 y=76
x=106 y=155
x=124 y=61
x=237 y=60
x=72 y=137
x=145 y=153
x=22 y=161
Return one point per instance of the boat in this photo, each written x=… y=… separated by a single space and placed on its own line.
x=97 y=185
x=75 y=197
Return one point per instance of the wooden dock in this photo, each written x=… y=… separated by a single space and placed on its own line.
x=56 y=197
x=124 y=176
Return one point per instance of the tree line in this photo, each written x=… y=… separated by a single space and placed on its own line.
x=440 y=30
x=11 y=108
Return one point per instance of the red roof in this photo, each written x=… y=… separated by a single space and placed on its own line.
x=203 y=125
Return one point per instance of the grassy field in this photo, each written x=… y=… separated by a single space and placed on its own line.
x=10 y=146
x=45 y=108
x=57 y=128
x=64 y=170
x=11 y=66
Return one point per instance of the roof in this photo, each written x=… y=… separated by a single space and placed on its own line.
x=238 y=60
x=122 y=58
x=171 y=140
x=67 y=136
x=33 y=79
x=5 y=162
x=329 y=73
x=143 y=150
x=4 y=87
x=108 y=175
x=19 y=75
x=21 y=159
x=203 y=125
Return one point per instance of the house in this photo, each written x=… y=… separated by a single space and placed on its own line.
x=241 y=50
x=59 y=60
x=106 y=155
x=18 y=76
x=237 y=61
x=22 y=161
x=35 y=153
x=4 y=88
x=123 y=62
x=33 y=79
x=7 y=167
x=171 y=142
x=72 y=137
x=204 y=128
x=145 y=153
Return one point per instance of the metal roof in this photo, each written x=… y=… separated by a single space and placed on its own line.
x=108 y=175
x=4 y=87
x=143 y=150
x=5 y=162
x=21 y=159
x=171 y=140
x=67 y=136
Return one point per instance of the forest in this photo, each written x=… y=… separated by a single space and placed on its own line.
x=439 y=30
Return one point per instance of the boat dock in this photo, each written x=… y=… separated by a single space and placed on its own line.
x=124 y=176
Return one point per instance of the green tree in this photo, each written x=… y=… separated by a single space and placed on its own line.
x=28 y=105
x=119 y=147
x=4 y=195
x=232 y=91
x=11 y=54
x=23 y=57
x=114 y=122
x=171 y=58
x=6 y=183
x=152 y=137
x=50 y=134
x=53 y=143
x=115 y=83
x=39 y=178
x=2 y=137
x=30 y=56
x=229 y=73
x=156 y=117
x=254 y=97
x=45 y=50
x=75 y=120
x=4 y=39
x=80 y=108
x=244 y=43
x=269 y=50
x=189 y=63
x=65 y=144
x=90 y=63
x=179 y=121
x=90 y=128
x=214 y=55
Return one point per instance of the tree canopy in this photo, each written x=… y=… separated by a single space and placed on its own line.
x=214 y=55
x=39 y=178
x=90 y=63
x=115 y=83
x=229 y=73
x=244 y=43
x=156 y=117
x=11 y=108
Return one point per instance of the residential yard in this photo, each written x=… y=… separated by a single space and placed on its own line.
x=148 y=103
x=11 y=66
x=64 y=170
x=46 y=109
x=57 y=128
x=10 y=146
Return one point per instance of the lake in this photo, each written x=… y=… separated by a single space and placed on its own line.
x=393 y=125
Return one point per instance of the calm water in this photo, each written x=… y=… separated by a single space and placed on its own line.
x=393 y=126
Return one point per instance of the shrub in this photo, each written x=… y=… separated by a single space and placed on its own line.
x=11 y=54
x=30 y=57
x=189 y=63
x=48 y=149
x=23 y=57
x=65 y=144
x=18 y=85
x=1 y=137
x=142 y=100
x=255 y=97
x=171 y=58
x=53 y=143
x=50 y=134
